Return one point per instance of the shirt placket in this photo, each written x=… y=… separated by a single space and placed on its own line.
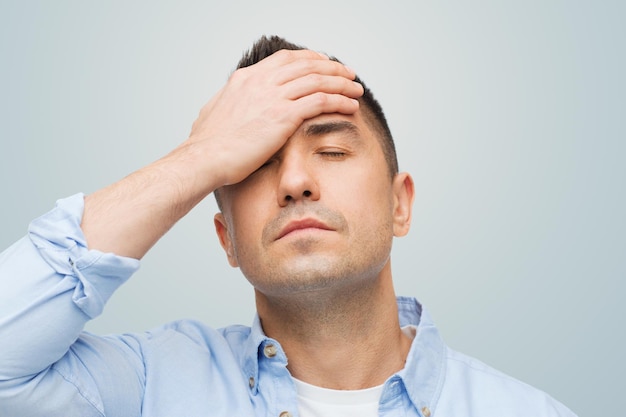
x=275 y=382
x=395 y=401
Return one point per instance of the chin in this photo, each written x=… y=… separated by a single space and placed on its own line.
x=308 y=276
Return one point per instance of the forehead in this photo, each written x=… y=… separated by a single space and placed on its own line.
x=354 y=127
x=349 y=125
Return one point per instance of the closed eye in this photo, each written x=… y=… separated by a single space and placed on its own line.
x=333 y=154
x=265 y=165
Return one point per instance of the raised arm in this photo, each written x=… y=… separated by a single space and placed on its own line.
x=236 y=132
x=60 y=276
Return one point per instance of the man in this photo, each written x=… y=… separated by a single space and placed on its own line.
x=302 y=163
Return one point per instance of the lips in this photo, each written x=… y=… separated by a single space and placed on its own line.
x=302 y=224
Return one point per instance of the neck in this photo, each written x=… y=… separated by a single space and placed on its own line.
x=346 y=338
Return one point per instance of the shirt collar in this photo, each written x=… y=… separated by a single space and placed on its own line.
x=424 y=372
x=253 y=348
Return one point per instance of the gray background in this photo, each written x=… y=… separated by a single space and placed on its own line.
x=510 y=116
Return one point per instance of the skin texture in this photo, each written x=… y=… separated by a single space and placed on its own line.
x=245 y=123
x=337 y=180
x=309 y=213
x=312 y=232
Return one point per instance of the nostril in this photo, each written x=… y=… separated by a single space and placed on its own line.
x=306 y=193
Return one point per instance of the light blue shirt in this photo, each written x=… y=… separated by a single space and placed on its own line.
x=51 y=285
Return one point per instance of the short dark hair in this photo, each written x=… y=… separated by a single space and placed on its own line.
x=369 y=106
x=374 y=114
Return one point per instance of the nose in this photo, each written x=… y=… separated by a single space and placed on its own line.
x=296 y=181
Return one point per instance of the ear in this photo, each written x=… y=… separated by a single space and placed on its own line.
x=404 y=193
x=221 y=228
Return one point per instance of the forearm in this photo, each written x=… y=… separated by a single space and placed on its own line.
x=239 y=129
x=128 y=217
x=50 y=286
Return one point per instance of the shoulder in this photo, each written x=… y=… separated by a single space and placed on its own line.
x=185 y=335
x=471 y=385
x=196 y=332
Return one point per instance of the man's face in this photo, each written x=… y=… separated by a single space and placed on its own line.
x=321 y=212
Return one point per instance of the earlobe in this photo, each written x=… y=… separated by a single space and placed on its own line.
x=404 y=193
x=221 y=228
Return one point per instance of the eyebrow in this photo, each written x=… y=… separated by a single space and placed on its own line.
x=325 y=128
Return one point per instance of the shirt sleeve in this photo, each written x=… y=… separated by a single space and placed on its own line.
x=51 y=284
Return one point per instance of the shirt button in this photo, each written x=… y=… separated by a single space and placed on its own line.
x=270 y=351
x=426 y=411
x=285 y=414
x=251 y=382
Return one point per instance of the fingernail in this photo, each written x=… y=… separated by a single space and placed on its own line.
x=353 y=72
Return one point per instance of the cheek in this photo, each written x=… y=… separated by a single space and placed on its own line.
x=245 y=201
x=245 y=225
x=366 y=200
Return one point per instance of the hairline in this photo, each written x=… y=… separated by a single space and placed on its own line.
x=375 y=129
x=371 y=110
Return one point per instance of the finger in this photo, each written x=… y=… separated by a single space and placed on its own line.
x=303 y=67
x=315 y=104
x=314 y=83
x=286 y=65
x=286 y=56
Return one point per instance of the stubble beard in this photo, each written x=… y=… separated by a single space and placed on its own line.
x=314 y=276
x=307 y=267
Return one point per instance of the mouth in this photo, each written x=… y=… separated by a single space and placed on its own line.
x=305 y=224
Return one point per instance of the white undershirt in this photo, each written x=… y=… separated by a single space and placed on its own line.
x=323 y=402
x=314 y=401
